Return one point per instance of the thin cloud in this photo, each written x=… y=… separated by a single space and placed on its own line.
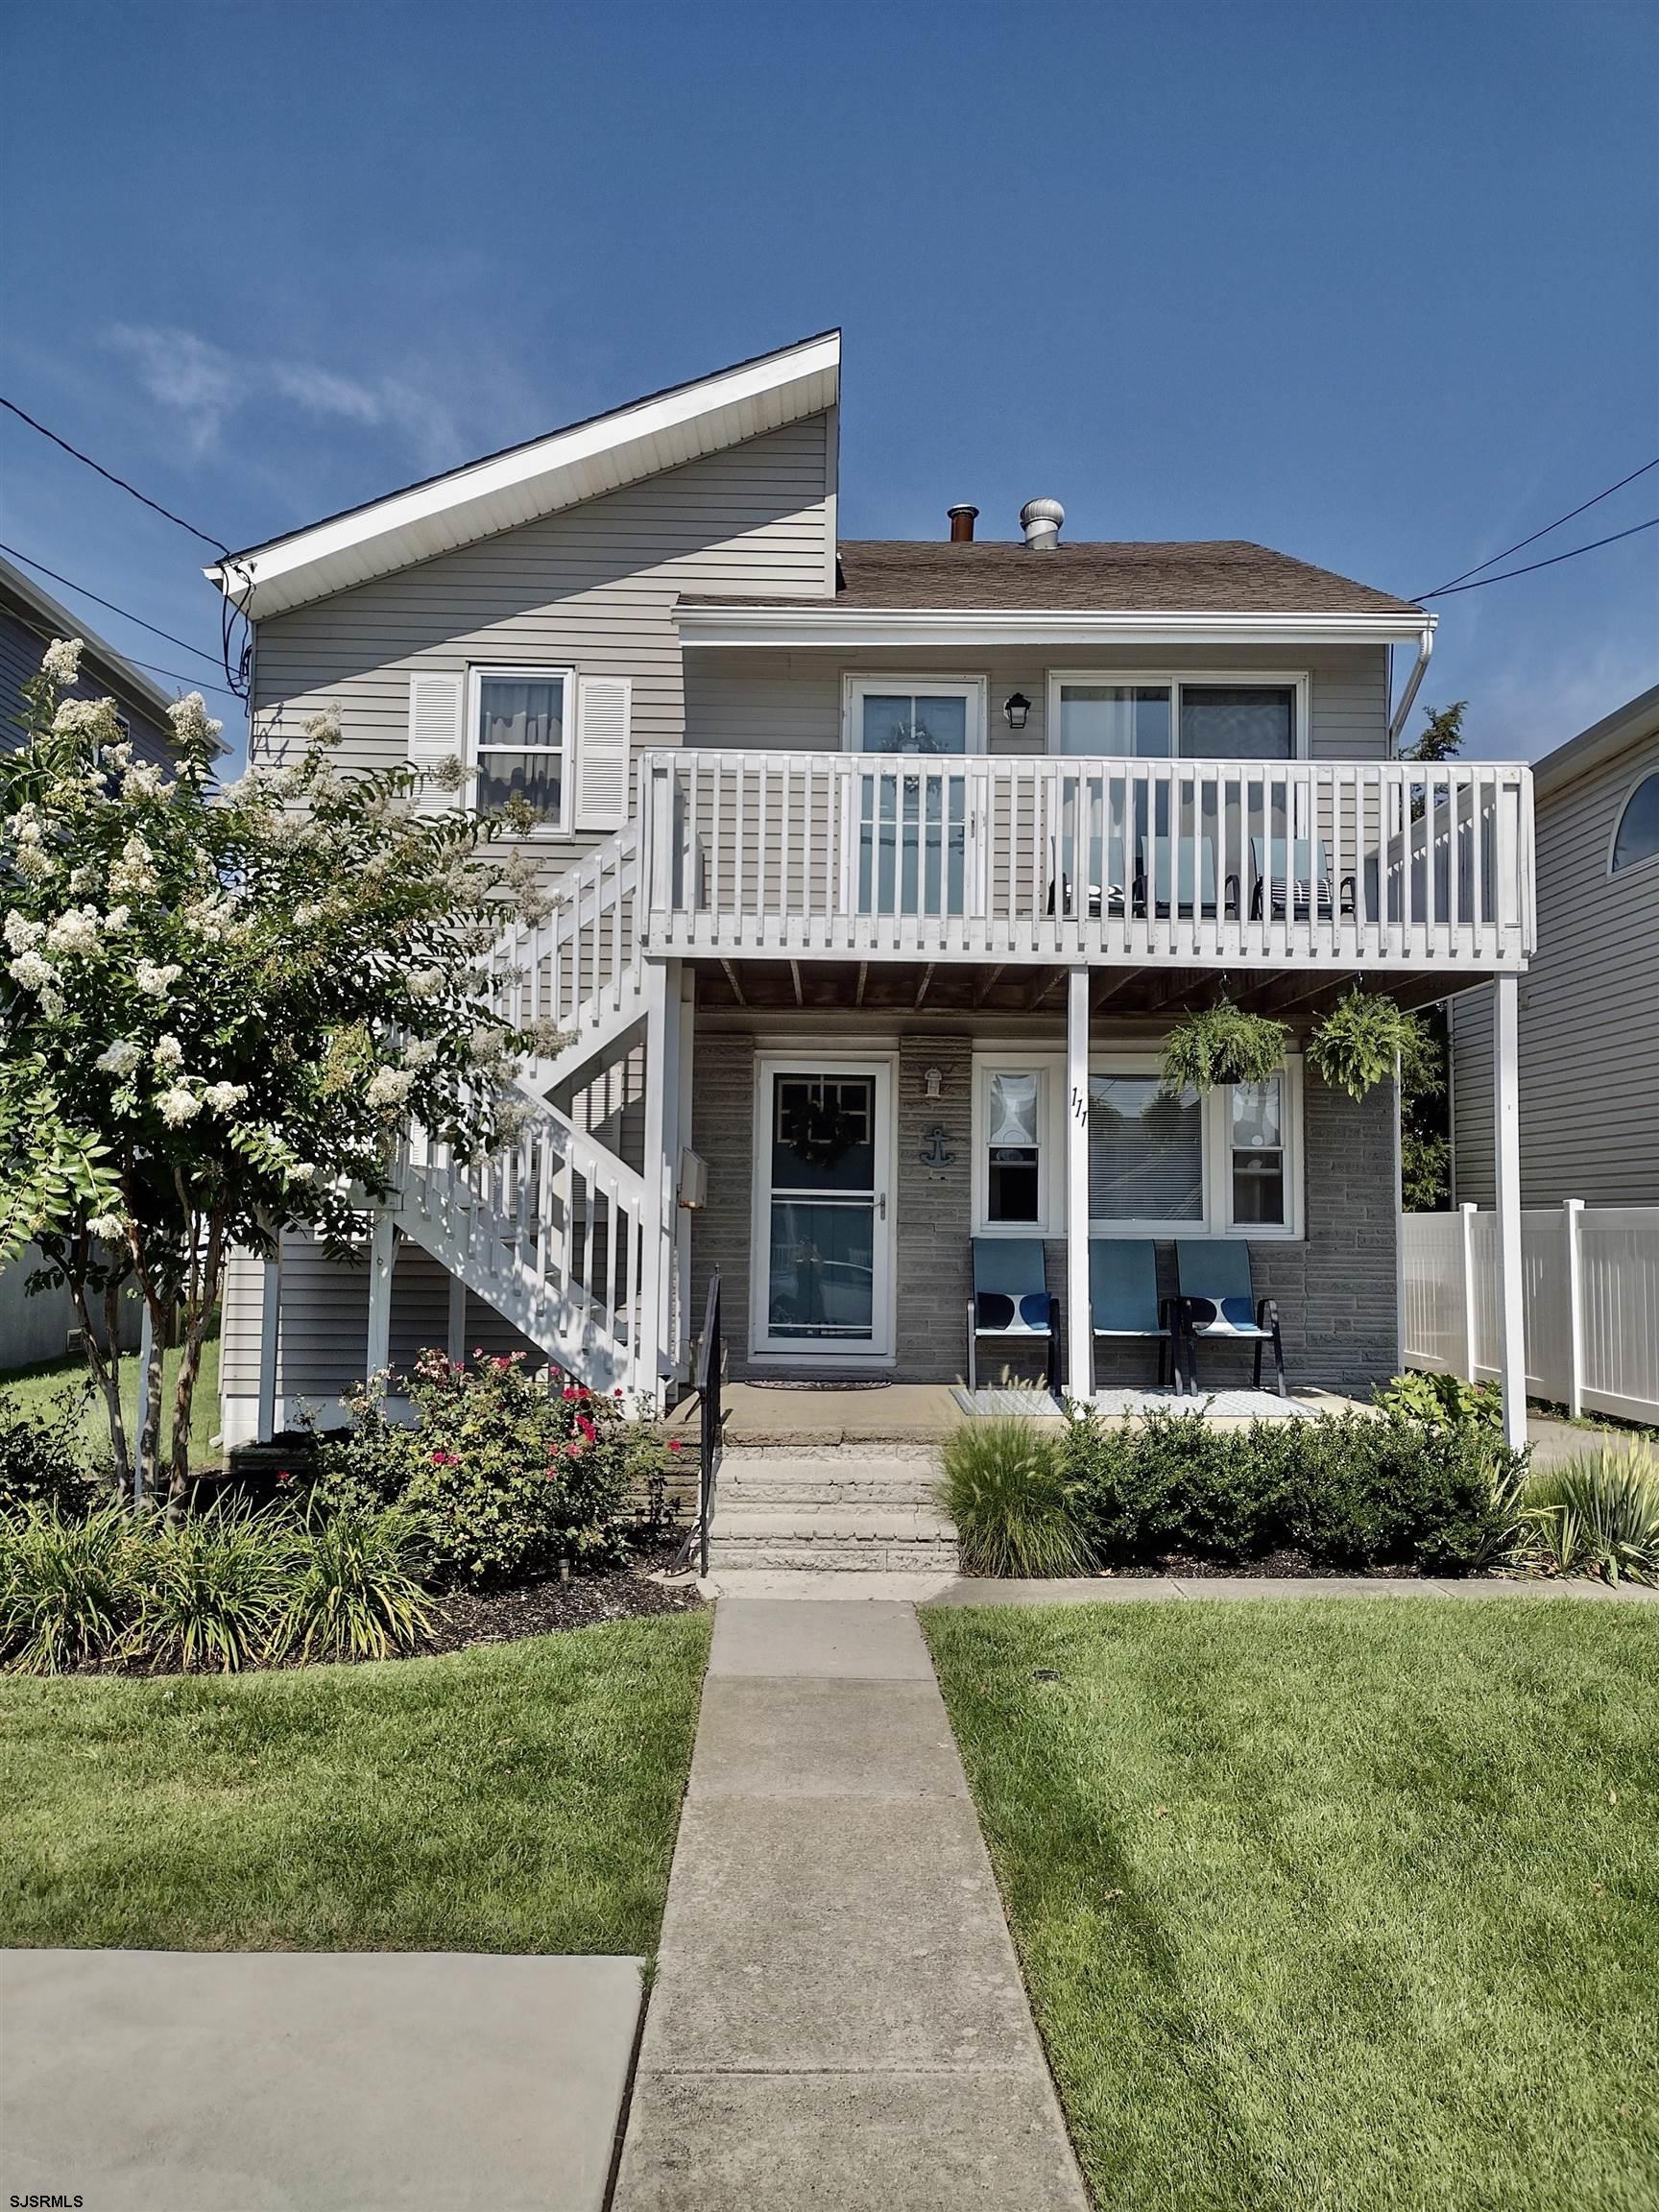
x=208 y=385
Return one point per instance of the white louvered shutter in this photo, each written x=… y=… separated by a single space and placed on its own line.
x=435 y=733
x=602 y=718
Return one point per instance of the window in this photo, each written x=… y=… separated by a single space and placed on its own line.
x=919 y=715
x=520 y=724
x=1146 y=1153
x=1256 y=1154
x=1230 y=718
x=1014 y=1147
x=1637 y=837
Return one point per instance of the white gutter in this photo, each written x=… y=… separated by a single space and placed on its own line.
x=811 y=624
x=1425 y=647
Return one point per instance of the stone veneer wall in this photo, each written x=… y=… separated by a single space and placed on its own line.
x=1336 y=1288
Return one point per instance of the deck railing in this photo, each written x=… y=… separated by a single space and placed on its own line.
x=1256 y=863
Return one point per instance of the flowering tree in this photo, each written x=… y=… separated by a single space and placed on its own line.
x=219 y=1006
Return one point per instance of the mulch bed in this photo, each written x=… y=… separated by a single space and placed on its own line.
x=463 y=1617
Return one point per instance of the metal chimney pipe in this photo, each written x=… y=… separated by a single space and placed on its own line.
x=962 y=520
x=1041 y=520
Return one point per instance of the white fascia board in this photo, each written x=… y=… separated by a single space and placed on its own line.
x=531 y=481
x=933 y=626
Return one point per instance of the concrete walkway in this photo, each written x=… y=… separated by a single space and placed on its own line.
x=338 y=2081
x=748 y=1584
x=838 y=2019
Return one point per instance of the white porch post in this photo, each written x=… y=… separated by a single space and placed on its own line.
x=683 y=1139
x=1079 y=1335
x=382 y=1252
x=1466 y=1280
x=456 y=1341
x=1573 y=1213
x=1507 y=1152
x=661 y=993
x=270 y=1324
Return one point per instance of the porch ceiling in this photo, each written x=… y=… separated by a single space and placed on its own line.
x=1297 y=996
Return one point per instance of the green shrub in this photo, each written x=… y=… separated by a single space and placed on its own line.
x=213 y=1590
x=506 y=1473
x=43 y=1454
x=1444 y=1401
x=69 y=1587
x=355 y=1590
x=1599 y=1515
x=1003 y=1489
x=1356 y=1491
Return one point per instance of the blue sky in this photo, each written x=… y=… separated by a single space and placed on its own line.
x=1378 y=284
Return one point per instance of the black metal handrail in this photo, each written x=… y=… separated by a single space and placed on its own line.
x=711 y=1367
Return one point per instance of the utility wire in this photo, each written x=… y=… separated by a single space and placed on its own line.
x=1520 y=542
x=70 y=585
x=1572 y=554
x=198 y=682
x=206 y=537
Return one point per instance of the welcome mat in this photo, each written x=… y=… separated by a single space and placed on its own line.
x=779 y=1383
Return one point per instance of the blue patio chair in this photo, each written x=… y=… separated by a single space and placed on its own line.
x=1295 y=872
x=1123 y=1298
x=1011 y=1300
x=1218 y=1304
x=1167 y=889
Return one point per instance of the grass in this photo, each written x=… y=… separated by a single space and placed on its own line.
x=1332 y=1905
x=515 y=1797
x=35 y=1386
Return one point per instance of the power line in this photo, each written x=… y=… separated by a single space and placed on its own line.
x=70 y=585
x=1545 y=532
x=199 y=683
x=1572 y=554
x=110 y=476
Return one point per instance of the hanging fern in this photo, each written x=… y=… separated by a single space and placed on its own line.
x=1355 y=1047
x=1223 y=1044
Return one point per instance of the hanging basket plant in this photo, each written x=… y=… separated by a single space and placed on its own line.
x=1222 y=1044
x=1355 y=1047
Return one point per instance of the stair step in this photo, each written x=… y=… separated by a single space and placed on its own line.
x=864 y=1554
x=852 y=1491
x=832 y=1521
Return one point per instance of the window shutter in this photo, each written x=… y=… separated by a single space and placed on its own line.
x=435 y=733
x=601 y=752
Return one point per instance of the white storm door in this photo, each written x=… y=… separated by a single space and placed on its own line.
x=823 y=1230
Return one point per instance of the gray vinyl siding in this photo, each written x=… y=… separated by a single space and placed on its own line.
x=764 y=699
x=21 y=648
x=591 y=589
x=1589 y=1027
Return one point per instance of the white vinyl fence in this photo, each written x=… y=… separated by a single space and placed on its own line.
x=1591 y=1295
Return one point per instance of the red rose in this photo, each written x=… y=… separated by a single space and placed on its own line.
x=673 y=1443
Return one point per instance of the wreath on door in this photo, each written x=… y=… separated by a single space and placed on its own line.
x=819 y=1131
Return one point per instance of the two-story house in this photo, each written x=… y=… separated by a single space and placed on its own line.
x=881 y=870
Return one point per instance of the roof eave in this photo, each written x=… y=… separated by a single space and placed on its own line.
x=799 y=626
x=542 y=477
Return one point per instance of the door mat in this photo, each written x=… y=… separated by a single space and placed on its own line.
x=777 y=1382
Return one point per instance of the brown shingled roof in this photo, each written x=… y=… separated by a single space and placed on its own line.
x=1220 y=576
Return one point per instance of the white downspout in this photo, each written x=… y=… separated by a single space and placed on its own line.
x=1425 y=647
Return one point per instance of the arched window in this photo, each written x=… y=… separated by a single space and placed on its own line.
x=1637 y=837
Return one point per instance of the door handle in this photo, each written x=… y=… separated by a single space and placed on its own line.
x=881 y=1205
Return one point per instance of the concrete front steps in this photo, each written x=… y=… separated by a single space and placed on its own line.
x=846 y=1507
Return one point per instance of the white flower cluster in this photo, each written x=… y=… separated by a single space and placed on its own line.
x=119 y=756
x=157 y=981
x=425 y=982
x=168 y=1055
x=302 y=1171
x=74 y=933
x=133 y=873
x=116 y=919
x=20 y=933
x=224 y=1097
x=512 y=1117
x=211 y=918
x=119 y=1059
x=192 y=724
x=390 y=1087
x=307 y=914
x=33 y=972
x=421 y=1054
x=486 y=1044
x=60 y=665
x=178 y=1105
x=324 y=729
x=107 y=1228
x=144 y=780
x=89 y=718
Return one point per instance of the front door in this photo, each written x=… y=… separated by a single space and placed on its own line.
x=912 y=845
x=823 y=1226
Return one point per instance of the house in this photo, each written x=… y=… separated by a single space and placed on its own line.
x=1588 y=1045
x=41 y=1326
x=29 y=619
x=881 y=870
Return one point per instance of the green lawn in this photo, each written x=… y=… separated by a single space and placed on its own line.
x=1332 y=1905
x=515 y=1797
x=37 y=1386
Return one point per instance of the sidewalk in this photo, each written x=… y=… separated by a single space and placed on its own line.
x=838 y=2019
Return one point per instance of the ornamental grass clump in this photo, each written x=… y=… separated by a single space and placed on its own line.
x=356 y=1593
x=212 y=1591
x=1599 y=1515
x=69 y=1587
x=1004 y=1491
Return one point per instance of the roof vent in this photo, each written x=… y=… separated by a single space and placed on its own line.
x=1041 y=520
x=962 y=520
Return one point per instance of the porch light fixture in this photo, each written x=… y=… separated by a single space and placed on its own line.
x=1016 y=708
x=932 y=1082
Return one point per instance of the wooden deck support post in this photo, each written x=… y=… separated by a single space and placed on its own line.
x=661 y=995
x=1506 y=1154
x=1079 y=1336
x=270 y=1333
x=382 y=1254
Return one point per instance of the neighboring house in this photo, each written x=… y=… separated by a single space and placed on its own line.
x=39 y=1327
x=1589 y=1009
x=29 y=619
x=881 y=870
